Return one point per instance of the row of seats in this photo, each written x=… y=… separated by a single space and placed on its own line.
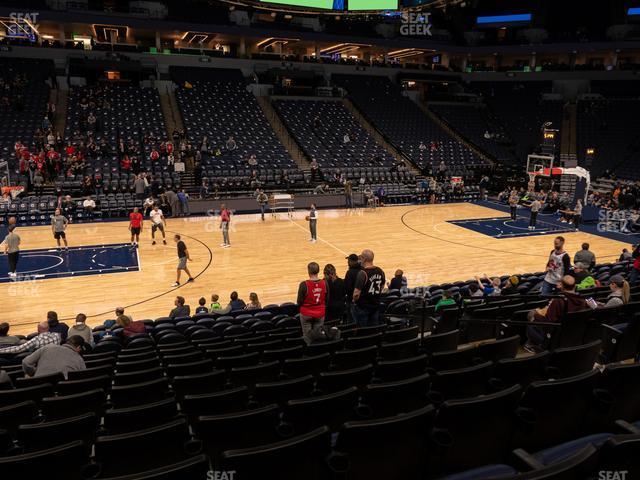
x=156 y=386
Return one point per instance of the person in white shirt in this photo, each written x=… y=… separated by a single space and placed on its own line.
x=89 y=206
x=157 y=223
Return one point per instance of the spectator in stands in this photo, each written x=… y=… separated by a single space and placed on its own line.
x=346 y=139
x=315 y=169
x=252 y=161
x=56 y=327
x=510 y=286
x=180 y=310
x=231 y=144
x=625 y=255
x=7 y=340
x=492 y=289
x=398 y=282
x=321 y=189
x=474 y=291
x=202 y=307
x=353 y=263
x=215 y=303
x=634 y=274
x=582 y=276
x=558 y=266
x=312 y=300
x=568 y=302
x=38 y=182
x=52 y=359
x=620 y=292
x=366 y=295
x=81 y=329
x=336 y=291
x=236 y=303
x=446 y=300
x=585 y=256
x=89 y=206
x=130 y=327
x=44 y=337
x=254 y=302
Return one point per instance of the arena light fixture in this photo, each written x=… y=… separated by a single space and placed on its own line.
x=343 y=48
x=268 y=42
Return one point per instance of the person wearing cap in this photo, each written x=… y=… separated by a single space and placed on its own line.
x=620 y=292
x=583 y=277
x=585 y=256
x=350 y=277
x=510 y=286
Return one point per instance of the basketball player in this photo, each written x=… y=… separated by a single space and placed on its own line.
x=312 y=299
x=313 y=223
x=183 y=258
x=225 y=220
x=135 y=226
x=157 y=223
x=366 y=295
x=58 y=226
x=12 y=248
x=513 y=204
x=535 y=208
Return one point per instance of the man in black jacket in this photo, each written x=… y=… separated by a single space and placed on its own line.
x=350 y=278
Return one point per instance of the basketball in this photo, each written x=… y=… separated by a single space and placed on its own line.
x=12 y=220
x=307 y=218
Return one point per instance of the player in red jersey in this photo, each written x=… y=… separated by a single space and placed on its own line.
x=312 y=299
x=135 y=226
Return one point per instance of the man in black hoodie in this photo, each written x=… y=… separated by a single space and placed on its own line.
x=350 y=278
x=56 y=327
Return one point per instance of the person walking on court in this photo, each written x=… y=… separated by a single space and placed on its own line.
x=157 y=223
x=183 y=258
x=535 y=208
x=513 y=204
x=312 y=300
x=58 y=226
x=135 y=226
x=12 y=248
x=313 y=223
x=262 y=200
x=225 y=220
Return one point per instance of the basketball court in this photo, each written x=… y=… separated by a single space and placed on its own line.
x=431 y=243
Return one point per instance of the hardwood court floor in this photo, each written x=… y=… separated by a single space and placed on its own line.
x=270 y=258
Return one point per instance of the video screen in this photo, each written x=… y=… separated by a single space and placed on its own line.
x=325 y=4
x=372 y=4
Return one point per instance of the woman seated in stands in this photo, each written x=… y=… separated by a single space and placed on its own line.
x=620 y=292
x=130 y=327
x=254 y=302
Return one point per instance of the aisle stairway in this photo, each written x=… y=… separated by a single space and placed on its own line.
x=298 y=156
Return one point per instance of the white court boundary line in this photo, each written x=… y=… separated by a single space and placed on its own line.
x=320 y=238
